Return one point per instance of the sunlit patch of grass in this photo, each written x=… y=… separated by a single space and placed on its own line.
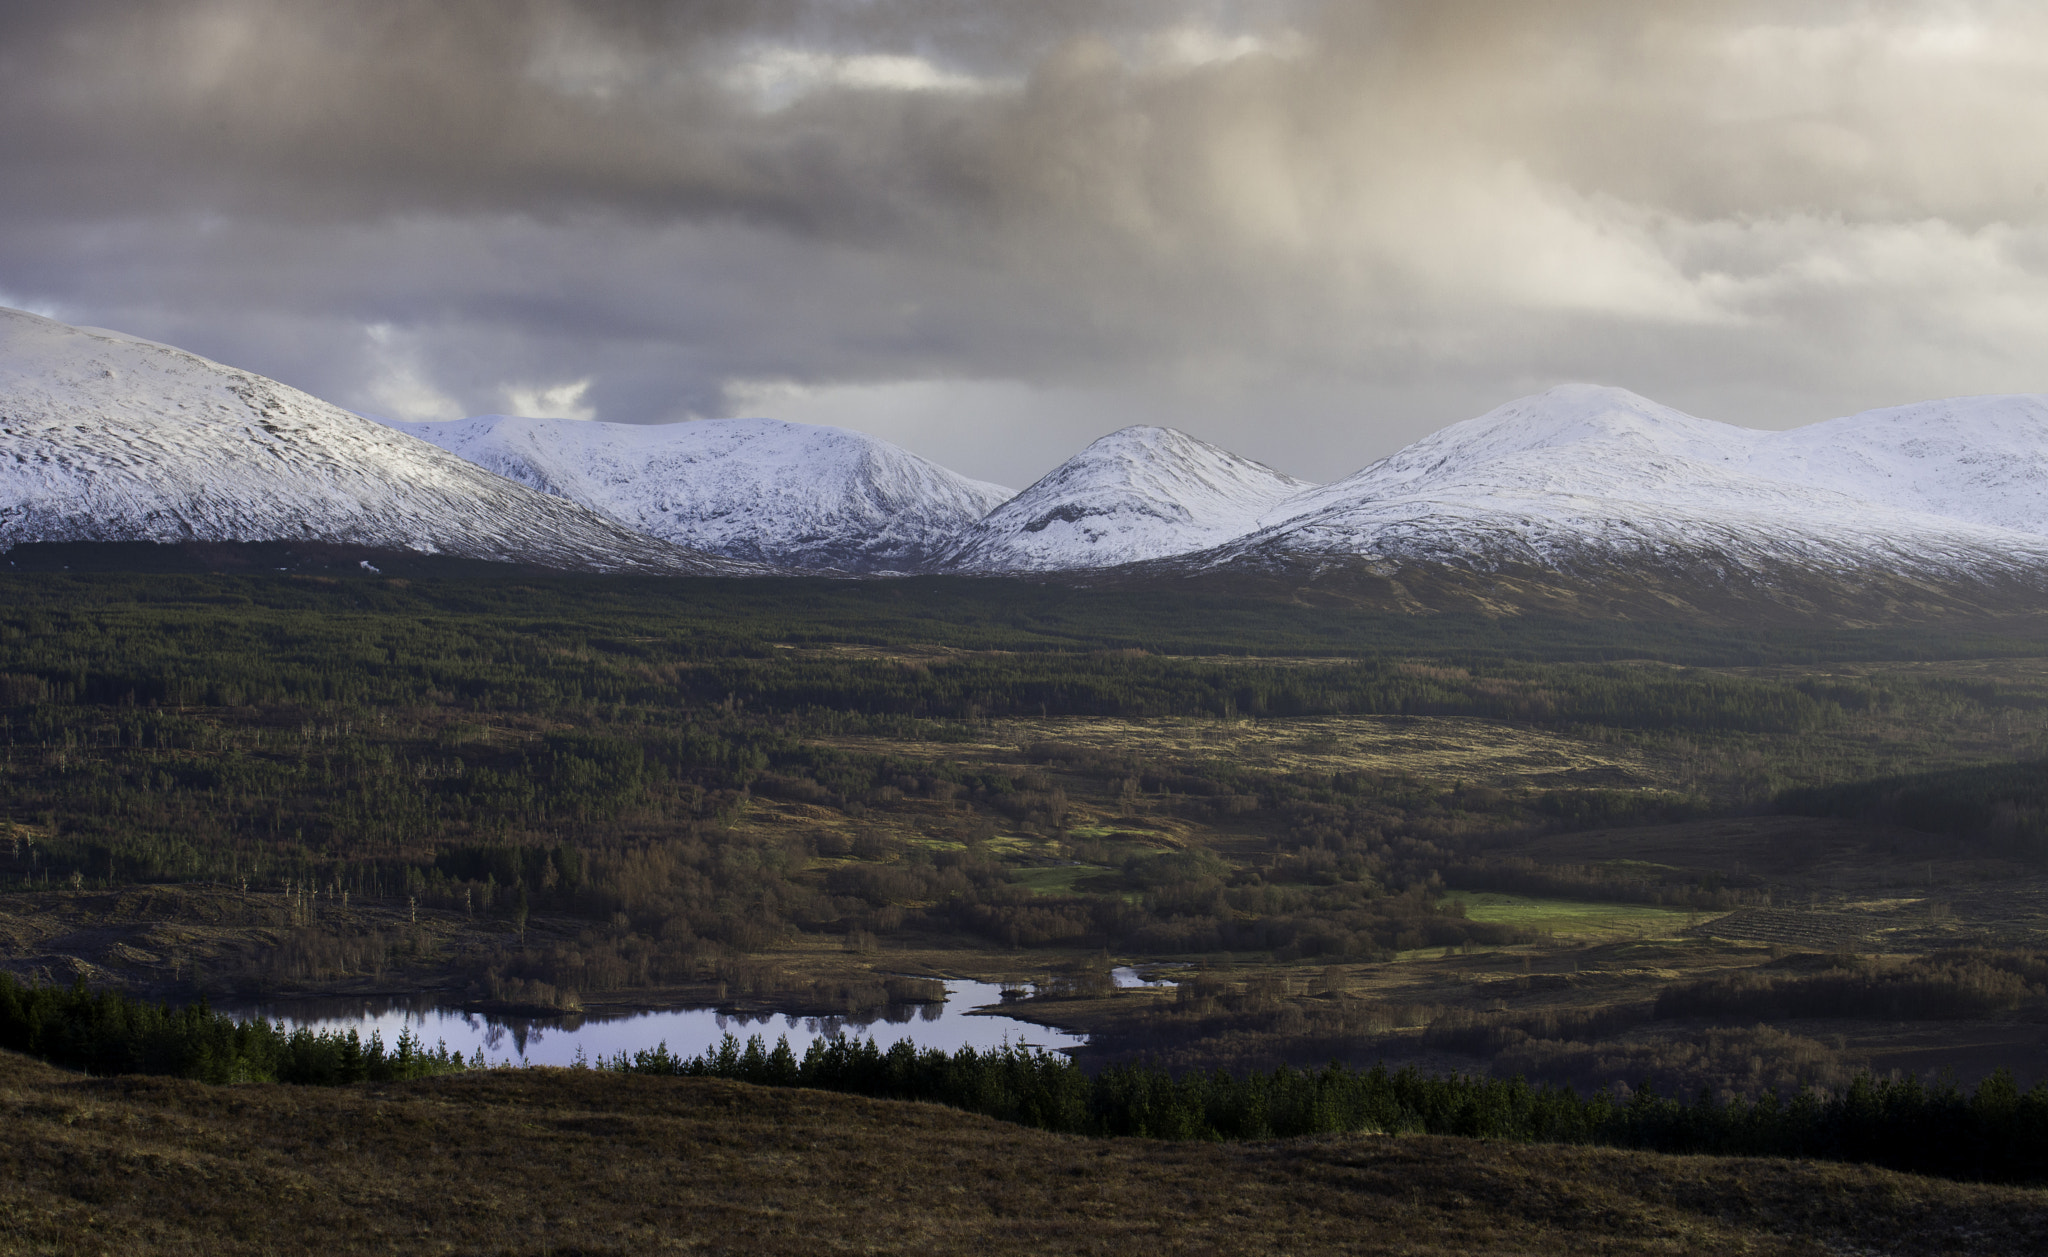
x=1569 y=918
x=1018 y=846
x=1645 y=867
x=1428 y=748
x=1093 y=831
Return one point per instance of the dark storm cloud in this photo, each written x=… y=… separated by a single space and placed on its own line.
x=1305 y=230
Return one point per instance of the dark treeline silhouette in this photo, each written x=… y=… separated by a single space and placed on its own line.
x=1705 y=890
x=1953 y=984
x=153 y=655
x=978 y=614
x=2002 y=807
x=106 y=1033
x=1995 y=1132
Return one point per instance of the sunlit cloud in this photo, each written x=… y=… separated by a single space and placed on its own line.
x=776 y=76
x=400 y=388
x=560 y=401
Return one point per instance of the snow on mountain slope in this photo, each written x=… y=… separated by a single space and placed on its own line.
x=1139 y=493
x=1979 y=459
x=757 y=489
x=1582 y=471
x=106 y=437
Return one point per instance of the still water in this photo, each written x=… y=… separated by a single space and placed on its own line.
x=959 y=1022
x=1128 y=978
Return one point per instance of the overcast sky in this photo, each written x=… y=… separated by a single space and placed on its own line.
x=992 y=231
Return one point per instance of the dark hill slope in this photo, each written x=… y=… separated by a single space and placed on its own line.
x=546 y=1161
x=1704 y=589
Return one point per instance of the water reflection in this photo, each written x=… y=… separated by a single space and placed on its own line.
x=970 y=1017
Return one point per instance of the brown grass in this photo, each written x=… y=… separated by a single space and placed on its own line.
x=548 y=1161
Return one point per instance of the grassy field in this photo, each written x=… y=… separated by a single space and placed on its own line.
x=1563 y=919
x=1489 y=752
x=558 y=1162
x=1059 y=880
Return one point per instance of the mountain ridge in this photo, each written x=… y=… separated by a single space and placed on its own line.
x=106 y=437
x=1601 y=469
x=758 y=490
x=1139 y=493
x=112 y=438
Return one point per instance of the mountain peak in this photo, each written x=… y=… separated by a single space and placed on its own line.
x=1578 y=414
x=763 y=490
x=106 y=437
x=1589 y=478
x=1141 y=492
x=1983 y=459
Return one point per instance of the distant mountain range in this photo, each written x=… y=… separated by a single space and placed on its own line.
x=1582 y=474
x=760 y=490
x=1581 y=497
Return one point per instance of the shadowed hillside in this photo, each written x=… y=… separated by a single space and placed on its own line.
x=550 y=1161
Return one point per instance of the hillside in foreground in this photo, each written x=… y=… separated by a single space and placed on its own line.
x=554 y=1161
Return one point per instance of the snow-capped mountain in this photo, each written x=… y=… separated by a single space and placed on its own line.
x=1139 y=493
x=1979 y=459
x=757 y=489
x=1557 y=499
x=106 y=437
x=1584 y=476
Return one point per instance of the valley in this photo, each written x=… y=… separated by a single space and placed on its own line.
x=1585 y=743
x=570 y=802
x=874 y=627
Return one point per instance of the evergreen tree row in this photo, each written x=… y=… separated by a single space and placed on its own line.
x=2001 y=806
x=106 y=1033
x=1996 y=1132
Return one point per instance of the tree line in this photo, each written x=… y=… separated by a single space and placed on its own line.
x=1996 y=807
x=965 y=613
x=106 y=1033
x=1995 y=1131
